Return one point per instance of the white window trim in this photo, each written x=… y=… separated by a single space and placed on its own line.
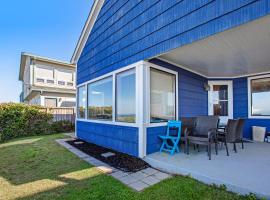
x=230 y=96
x=77 y=100
x=249 y=96
x=113 y=74
x=87 y=87
x=147 y=78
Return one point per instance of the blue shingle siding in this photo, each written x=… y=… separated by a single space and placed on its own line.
x=120 y=138
x=153 y=142
x=129 y=31
x=240 y=98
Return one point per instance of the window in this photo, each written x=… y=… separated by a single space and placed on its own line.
x=50 y=102
x=220 y=99
x=162 y=96
x=260 y=96
x=81 y=102
x=69 y=84
x=40 y=80
x=50 y=81
x=125 y=96
x=61 y=82
x=100 y=99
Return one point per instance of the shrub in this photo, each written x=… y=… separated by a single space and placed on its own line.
x=62 y=126
x=18 y=120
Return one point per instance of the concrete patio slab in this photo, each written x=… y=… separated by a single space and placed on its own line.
x=243 y=172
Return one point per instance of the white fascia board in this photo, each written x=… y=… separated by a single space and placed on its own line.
x=97 y=5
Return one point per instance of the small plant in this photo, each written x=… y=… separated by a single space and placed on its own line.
x=62 y=126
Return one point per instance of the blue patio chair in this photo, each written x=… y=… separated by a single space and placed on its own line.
x=173 y=136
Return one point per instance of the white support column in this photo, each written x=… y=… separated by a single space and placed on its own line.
x=140 y=74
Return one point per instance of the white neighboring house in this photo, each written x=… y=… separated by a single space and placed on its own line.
x=47 y=82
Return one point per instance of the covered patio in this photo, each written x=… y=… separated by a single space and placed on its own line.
x=246 y=171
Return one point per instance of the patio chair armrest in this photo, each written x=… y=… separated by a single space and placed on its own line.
x=187 y=131
x=212 y=133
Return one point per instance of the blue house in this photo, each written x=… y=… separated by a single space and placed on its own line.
x=141 y=63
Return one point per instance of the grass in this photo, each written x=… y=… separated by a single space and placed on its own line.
x=38 y=168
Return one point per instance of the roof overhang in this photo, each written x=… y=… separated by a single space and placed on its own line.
x=25 y=56
x=237 y=52
x=97 y=5
x=39 y=90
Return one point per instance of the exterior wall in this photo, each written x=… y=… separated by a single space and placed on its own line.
x=128 y=31
x=120 y=138
x=61 y=98
x=36 y=100
x=27 y=81
x=54 y=73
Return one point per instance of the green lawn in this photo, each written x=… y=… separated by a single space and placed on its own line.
x=38 y=168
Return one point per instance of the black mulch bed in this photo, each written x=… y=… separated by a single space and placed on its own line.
x=120 y=160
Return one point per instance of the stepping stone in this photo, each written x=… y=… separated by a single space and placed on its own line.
x=108 y=154
x=161 y=175
x=78 y=142
x=150 y=180
x=149 y=171
x=138 y=175
x=138 y=186
x=127 y=179
x=119 y=174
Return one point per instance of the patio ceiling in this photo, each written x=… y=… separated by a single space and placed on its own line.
x=240 y=51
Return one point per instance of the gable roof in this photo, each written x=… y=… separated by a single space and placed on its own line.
x=24 y=57
x=97 y=5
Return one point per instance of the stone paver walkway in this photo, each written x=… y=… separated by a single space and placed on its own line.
x=137 y=181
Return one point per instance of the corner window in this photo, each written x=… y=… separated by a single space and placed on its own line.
x=81 y=107
x=260 y=96
x=100 y=99
x=162 y=96
x=125 y=96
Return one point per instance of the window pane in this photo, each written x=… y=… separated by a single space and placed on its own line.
x=260 y=97
x=100 y=99
x=50 y=102
x=162 y=96
x=221 y=91
x=221 y=108
x=81 y=102
x=125 y=96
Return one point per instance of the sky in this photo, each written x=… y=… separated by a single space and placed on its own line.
x=49 y=28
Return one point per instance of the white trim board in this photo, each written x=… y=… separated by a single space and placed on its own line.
x=97 y=5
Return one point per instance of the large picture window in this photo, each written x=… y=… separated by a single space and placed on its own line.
x=100 y=100
x=81 y=105
x=260 y=97
x=162 y=96
x=125 y=96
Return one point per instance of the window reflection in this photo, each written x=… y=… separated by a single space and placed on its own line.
x=125 y=96
x=162 y=96
x=100 y=99
x=81 y=107
x=260 y=97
